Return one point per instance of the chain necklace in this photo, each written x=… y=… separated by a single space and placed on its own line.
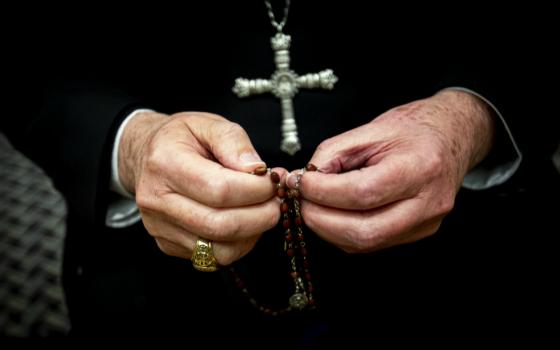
x=284 y=83
x=278 y=26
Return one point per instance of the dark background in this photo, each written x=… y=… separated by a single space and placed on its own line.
x=486 y=279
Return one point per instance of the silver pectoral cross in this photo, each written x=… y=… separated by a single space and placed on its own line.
x=284 y=84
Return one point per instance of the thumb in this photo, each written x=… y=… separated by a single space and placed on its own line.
x=349 y=150
x=229 y=144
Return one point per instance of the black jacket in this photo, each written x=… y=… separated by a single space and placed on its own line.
x=487 y=273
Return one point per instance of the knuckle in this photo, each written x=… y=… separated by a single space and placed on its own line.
x=365 y=194
x=151 y=228
x=445 y=205
x=220 y=227
x=218 y=191
x=274 y=219
x=271 y=219
x=326 y=144
x=145 y=200
x=157 y=160
x=361 y=238
x=231 y=129
x=198 y=116
x=433 y=165
x=366 y=237
x=212 y=226
x=235 y=127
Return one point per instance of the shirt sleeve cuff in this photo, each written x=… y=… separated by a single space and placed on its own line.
x=123 y=212
x=492 y=173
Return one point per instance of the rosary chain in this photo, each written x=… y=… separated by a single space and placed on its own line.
x=279 y=26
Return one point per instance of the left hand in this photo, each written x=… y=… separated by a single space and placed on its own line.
x=392 y=181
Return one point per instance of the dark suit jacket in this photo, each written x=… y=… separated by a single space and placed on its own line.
x=487 y=274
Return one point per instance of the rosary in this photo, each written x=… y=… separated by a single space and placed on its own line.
x=294 y=247
x=285 y=84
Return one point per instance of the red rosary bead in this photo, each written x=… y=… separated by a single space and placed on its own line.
x=310 y=167
x=275 y=177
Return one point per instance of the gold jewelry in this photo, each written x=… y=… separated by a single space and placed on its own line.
x=203 y=257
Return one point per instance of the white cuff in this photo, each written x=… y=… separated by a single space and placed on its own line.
x=123 y=212
x=480 y=178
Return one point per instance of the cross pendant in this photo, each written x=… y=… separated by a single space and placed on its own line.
x=284 y=84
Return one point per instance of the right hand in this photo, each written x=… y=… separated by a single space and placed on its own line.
x=191 y=176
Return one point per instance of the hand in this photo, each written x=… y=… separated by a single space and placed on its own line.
x=392 y=181
x=191 y=176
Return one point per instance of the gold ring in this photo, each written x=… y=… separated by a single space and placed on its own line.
x=203 y=257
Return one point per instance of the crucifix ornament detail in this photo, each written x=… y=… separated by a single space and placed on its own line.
x=285 y=84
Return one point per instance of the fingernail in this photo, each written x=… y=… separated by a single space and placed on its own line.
x=260 y=170
x=250 y=158
x=291 y=180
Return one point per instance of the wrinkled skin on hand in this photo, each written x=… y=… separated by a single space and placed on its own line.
x=388 y=182
x=190 y=173
x=393 y=180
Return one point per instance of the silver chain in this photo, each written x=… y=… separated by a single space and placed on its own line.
x=278 y=26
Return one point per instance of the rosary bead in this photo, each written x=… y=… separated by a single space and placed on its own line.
x=310 y=167
x=290 y=252
x=308 y=276
x=281 y=192
x=288 y=237
x=275 y=177
x=286 y=223
x=303 y=251
x=284 y=207
x=294 y=274
x=297 y=220
x=306 y=263
x=260 y=170
x=300 y=237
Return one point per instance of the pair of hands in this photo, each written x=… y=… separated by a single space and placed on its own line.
x=388 y=182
